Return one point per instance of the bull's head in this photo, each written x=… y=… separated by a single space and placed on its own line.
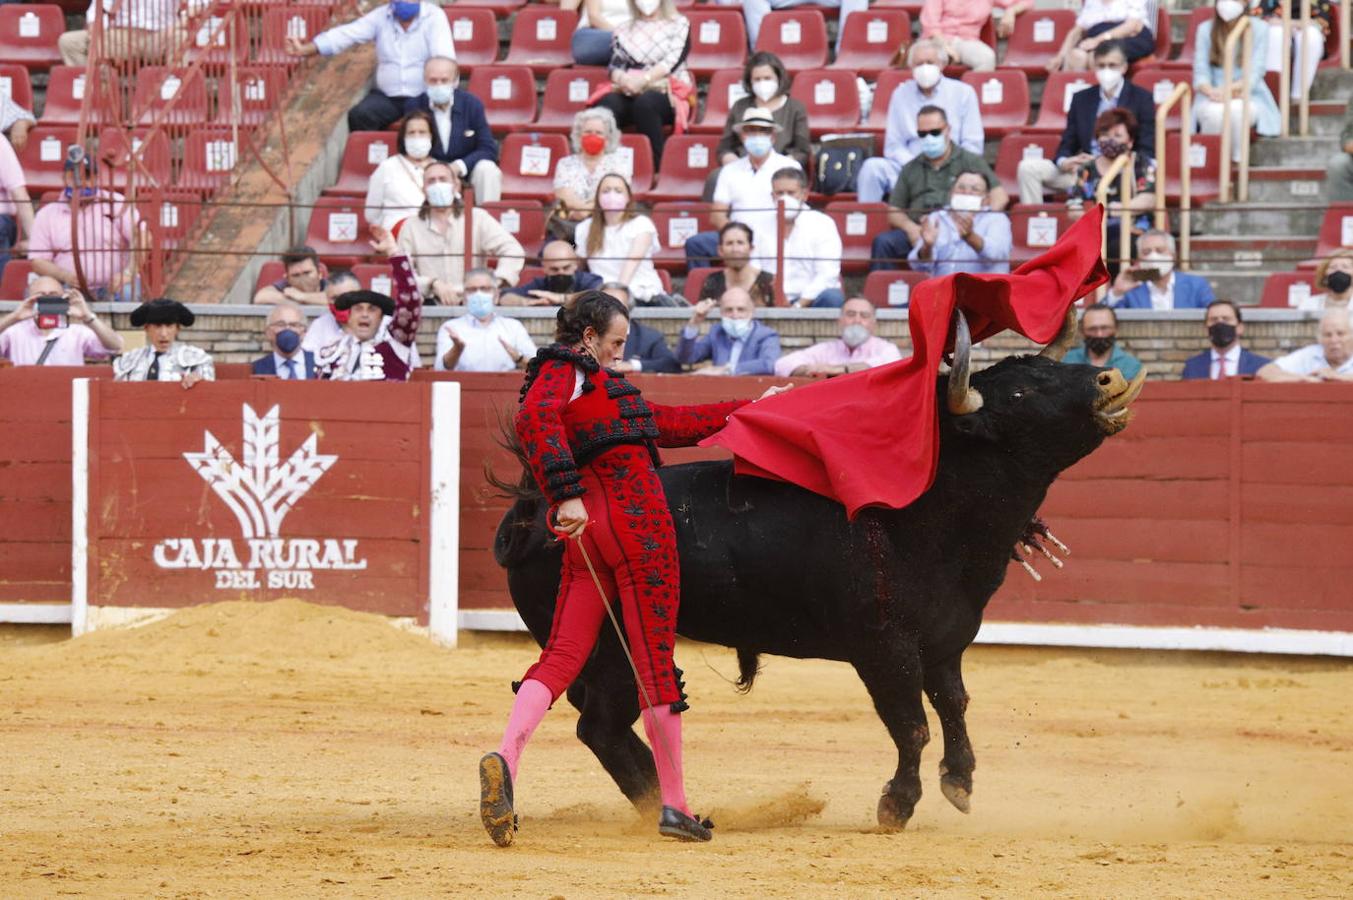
x=1062 y=411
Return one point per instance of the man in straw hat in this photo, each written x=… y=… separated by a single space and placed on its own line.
x=163 y=358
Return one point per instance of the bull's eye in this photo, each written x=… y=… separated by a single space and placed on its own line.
x=1017 y=395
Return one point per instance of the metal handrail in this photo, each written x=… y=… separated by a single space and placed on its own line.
x=1120 y=168
x=1242 y=34
x=1285 y=71
x=1304 y=109
x=1182 y=94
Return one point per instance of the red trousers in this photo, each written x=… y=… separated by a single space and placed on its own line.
x=632 y=545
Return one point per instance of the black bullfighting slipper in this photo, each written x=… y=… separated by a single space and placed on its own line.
x=674 y=823
x=495 y=799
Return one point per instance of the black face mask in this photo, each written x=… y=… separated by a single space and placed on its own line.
x=1099 y=345
x=1338 y=281
x=559 y=284
x=1221 y=334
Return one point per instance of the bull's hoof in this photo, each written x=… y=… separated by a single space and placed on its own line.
x=957 y=790
x=893 y=813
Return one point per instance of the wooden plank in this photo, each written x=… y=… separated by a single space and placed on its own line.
x=169 y=439
x=27 y=481
x=1293 y=462
x=355 y=402
x=34 y=520
x=1296 y=420
x=1297 y=504
x=1137 y=499
x=1157 y=459
x=1322 y=587
x=1297 y=546
x=1185 y=584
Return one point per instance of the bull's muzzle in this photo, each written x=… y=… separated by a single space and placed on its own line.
x=1116 y=393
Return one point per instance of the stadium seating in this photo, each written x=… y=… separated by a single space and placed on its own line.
x=1196 y=18
x=718 y=41
x=509 y=95
x=15 y=83
x=260 y=93
x=28 y=33
x=152 y=151
x=725 y=89
x=542 y=38
x=1037 y=37
x=797 y=35
x=892 y=288
x=170 y=214
x=1336 y=232
x=364 y=151
x=1204 y=169
x=338 y=232
x=14 y=281
x=528 y=160
x=281 y=22
x=209 y=157
x=217 y=43
x=65 y=93
x=869 y=42
x=1160 y=81
x=1161 y=30
x=831 y=97
x=566 y=92
x=502 y=8
x=524 y=219
x=1057 y=93
x=1033 y=229
x=1003 y=96
x=858 y=224
x=639 y=152
x=675 y=223
x=374 y=277
x=695 y=282
x=170 y=98
x=474 y=31
x=1283 y=290
x=1017 y=147
x=686 y=162
x=44 y=156
x=889 y=80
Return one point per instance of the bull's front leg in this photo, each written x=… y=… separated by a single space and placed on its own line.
x=891 y=671
x=944 y=686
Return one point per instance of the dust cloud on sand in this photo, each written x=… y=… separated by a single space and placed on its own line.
x=291 y=750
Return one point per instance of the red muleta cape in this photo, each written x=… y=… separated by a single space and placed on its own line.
x=872 y=438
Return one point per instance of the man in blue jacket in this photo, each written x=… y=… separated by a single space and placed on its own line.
x=1153 y=283
x=561 y=280
x=1227 y=358
x=461 y=135
x=737 y=345
x=286 y=327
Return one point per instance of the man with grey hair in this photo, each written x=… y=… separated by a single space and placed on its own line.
x=1152 y=282
x=901 y=141
x=461 y=136
x=1329 y=359
x=483 y=340
x=284 y=330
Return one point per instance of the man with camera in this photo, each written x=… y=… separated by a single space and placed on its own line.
x=1153 y=282
x=53 y=326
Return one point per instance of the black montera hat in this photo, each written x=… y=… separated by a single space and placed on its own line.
x=162 y=312
x=352 y=298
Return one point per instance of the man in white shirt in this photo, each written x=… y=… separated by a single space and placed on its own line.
x=812 y=245
x=482 y=340
x=288 y=360
x=138 y=30
x=1331 y=359
x=407 y=33
x=742 y=192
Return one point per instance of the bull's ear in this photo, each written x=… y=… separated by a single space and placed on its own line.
x=975 y=425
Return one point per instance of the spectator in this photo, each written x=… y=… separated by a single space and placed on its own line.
x=767 y=85
x=742 y=192
x=855 y=350
x=735 y=251
x=1006 y=26
x=303 y=281
x=901 y=141
x=31 y=337
x=966 y=237
x=434 y=240
x=562 y=279
x=1330 y=359
x=1334 y=273
x=812 y=245
x=1208 y=44
x=618 y=242
x=1225 y=328
x=1079 y=145
x=598 y=19
x=16 y=209
x=958 y=24
x=395 y=190
x=407 y=33
x=650 y=85
x=15 y=122
x=754 y=11
x=1339 y=182
x=1153 y=282
x=482 y=340
x=285 y=330
x=110 y=234
x=1116 y=133
x=595 y=139
x=1099 y=328
x=133 y=31
x=327 y=328
x=645 y=349
x=370 y=349
x=461 y=134
x=739 y=346
x=163 y=358
x=1304 y=62
x=1129 y=21
x=926 y=183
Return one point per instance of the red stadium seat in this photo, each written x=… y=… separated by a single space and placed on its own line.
x=270 y=273
x=891 y=288
x=542 y=38
x=364 y=151
x=260 y=93
x=869 y=42
x=798 y=36
x=725 y=89
x=1003 y=97
x=1161 y=31
x=528 y=160
x=148 y=150
x=718 y=41
x=832 y=99
x=1336 y=233
x=209 y=158
x=15 y=84
x=675 y=223
x=171 y=215
x=1037 y=37
x=14 y=282
x=695 y=282
x=686 y=162
x=170 y=98
x=566 y=93
x=373 y=276
x=338 y=231
x=858 y=224
x=211 y=42
x=1160 y=81
x=281 y=22
x=65 y=94
x=1033 y=229
x=43 y=158
x=1204 y=168
x=987 y=35
x=503 y=8
x=523 y=219
x=1196 y=18
x=1282 y=290
x=28 y=33
x=889 y=80
x=1057 y=93
x=1018 y=147
x=474 y=31
x=636 y=149
x=509 y=95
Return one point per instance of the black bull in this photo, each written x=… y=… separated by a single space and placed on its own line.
x=768 y=567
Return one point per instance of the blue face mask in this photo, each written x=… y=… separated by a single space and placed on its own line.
x=405 y=10
x=84 y=192
x=737 y=329
x=758 y=144
x=288 y=341
x=441 y=94
x=934 y=145
x=480 y=304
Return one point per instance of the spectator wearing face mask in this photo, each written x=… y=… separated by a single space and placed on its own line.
x=1208 y=103
x=965 y=237
x=460 y=131
x=1099 y=331
x=284 y=332
x=483 y=340
x=562 y=279
x=31 y=337
x=767 y=83
x=328 y=327
x=395 y=190
x=812 y=245
x=855 y=350
x=1226 y=359
x=1116 y=132
x=958 y=25
x=1129 y=22
x=1335 y=275
x=1153 y=283
x=380 y=332
x=597 y=19
x=618 y=241
x=737 y=345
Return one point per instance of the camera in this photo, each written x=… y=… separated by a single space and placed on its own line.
x=53 y=311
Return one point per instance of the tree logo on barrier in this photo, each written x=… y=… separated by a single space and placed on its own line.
x=260 y=491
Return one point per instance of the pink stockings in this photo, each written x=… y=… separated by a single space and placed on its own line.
x=533 y=701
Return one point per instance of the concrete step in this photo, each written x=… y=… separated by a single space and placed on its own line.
x=1261 y=252
x=1301 y=152
x=1245 y=287
x=1332 y=84
x=1287 y=184
x=1259 y=218
x=1324 y=123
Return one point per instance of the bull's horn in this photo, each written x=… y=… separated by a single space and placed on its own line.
x=962 y=398
x=1065 y=338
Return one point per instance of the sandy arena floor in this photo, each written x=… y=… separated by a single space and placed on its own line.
x=288 y=750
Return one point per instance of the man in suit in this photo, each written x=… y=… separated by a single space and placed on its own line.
x=1227 y=358
x=645 y=348
x=461 y=136
x=561 y=279
x=1078 y=144
x=1153 y=283
x=739 y=345
x=284 y=331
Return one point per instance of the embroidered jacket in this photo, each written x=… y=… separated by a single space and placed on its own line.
x=389 y=355
x=177 y=361
x=559 y=433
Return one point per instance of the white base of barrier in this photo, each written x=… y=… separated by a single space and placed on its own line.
x=35 y=613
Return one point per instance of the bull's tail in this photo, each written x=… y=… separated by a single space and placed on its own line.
x=749 y=666
x=517 y=537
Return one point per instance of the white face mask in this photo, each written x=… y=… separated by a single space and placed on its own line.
x=927 y=75
x=647 y=7
x=965 y=202
x=1160 y=262
x=793 y=206
x=1230 y=10
x=1109 y=79
x=765 y=88
x=418 y=147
